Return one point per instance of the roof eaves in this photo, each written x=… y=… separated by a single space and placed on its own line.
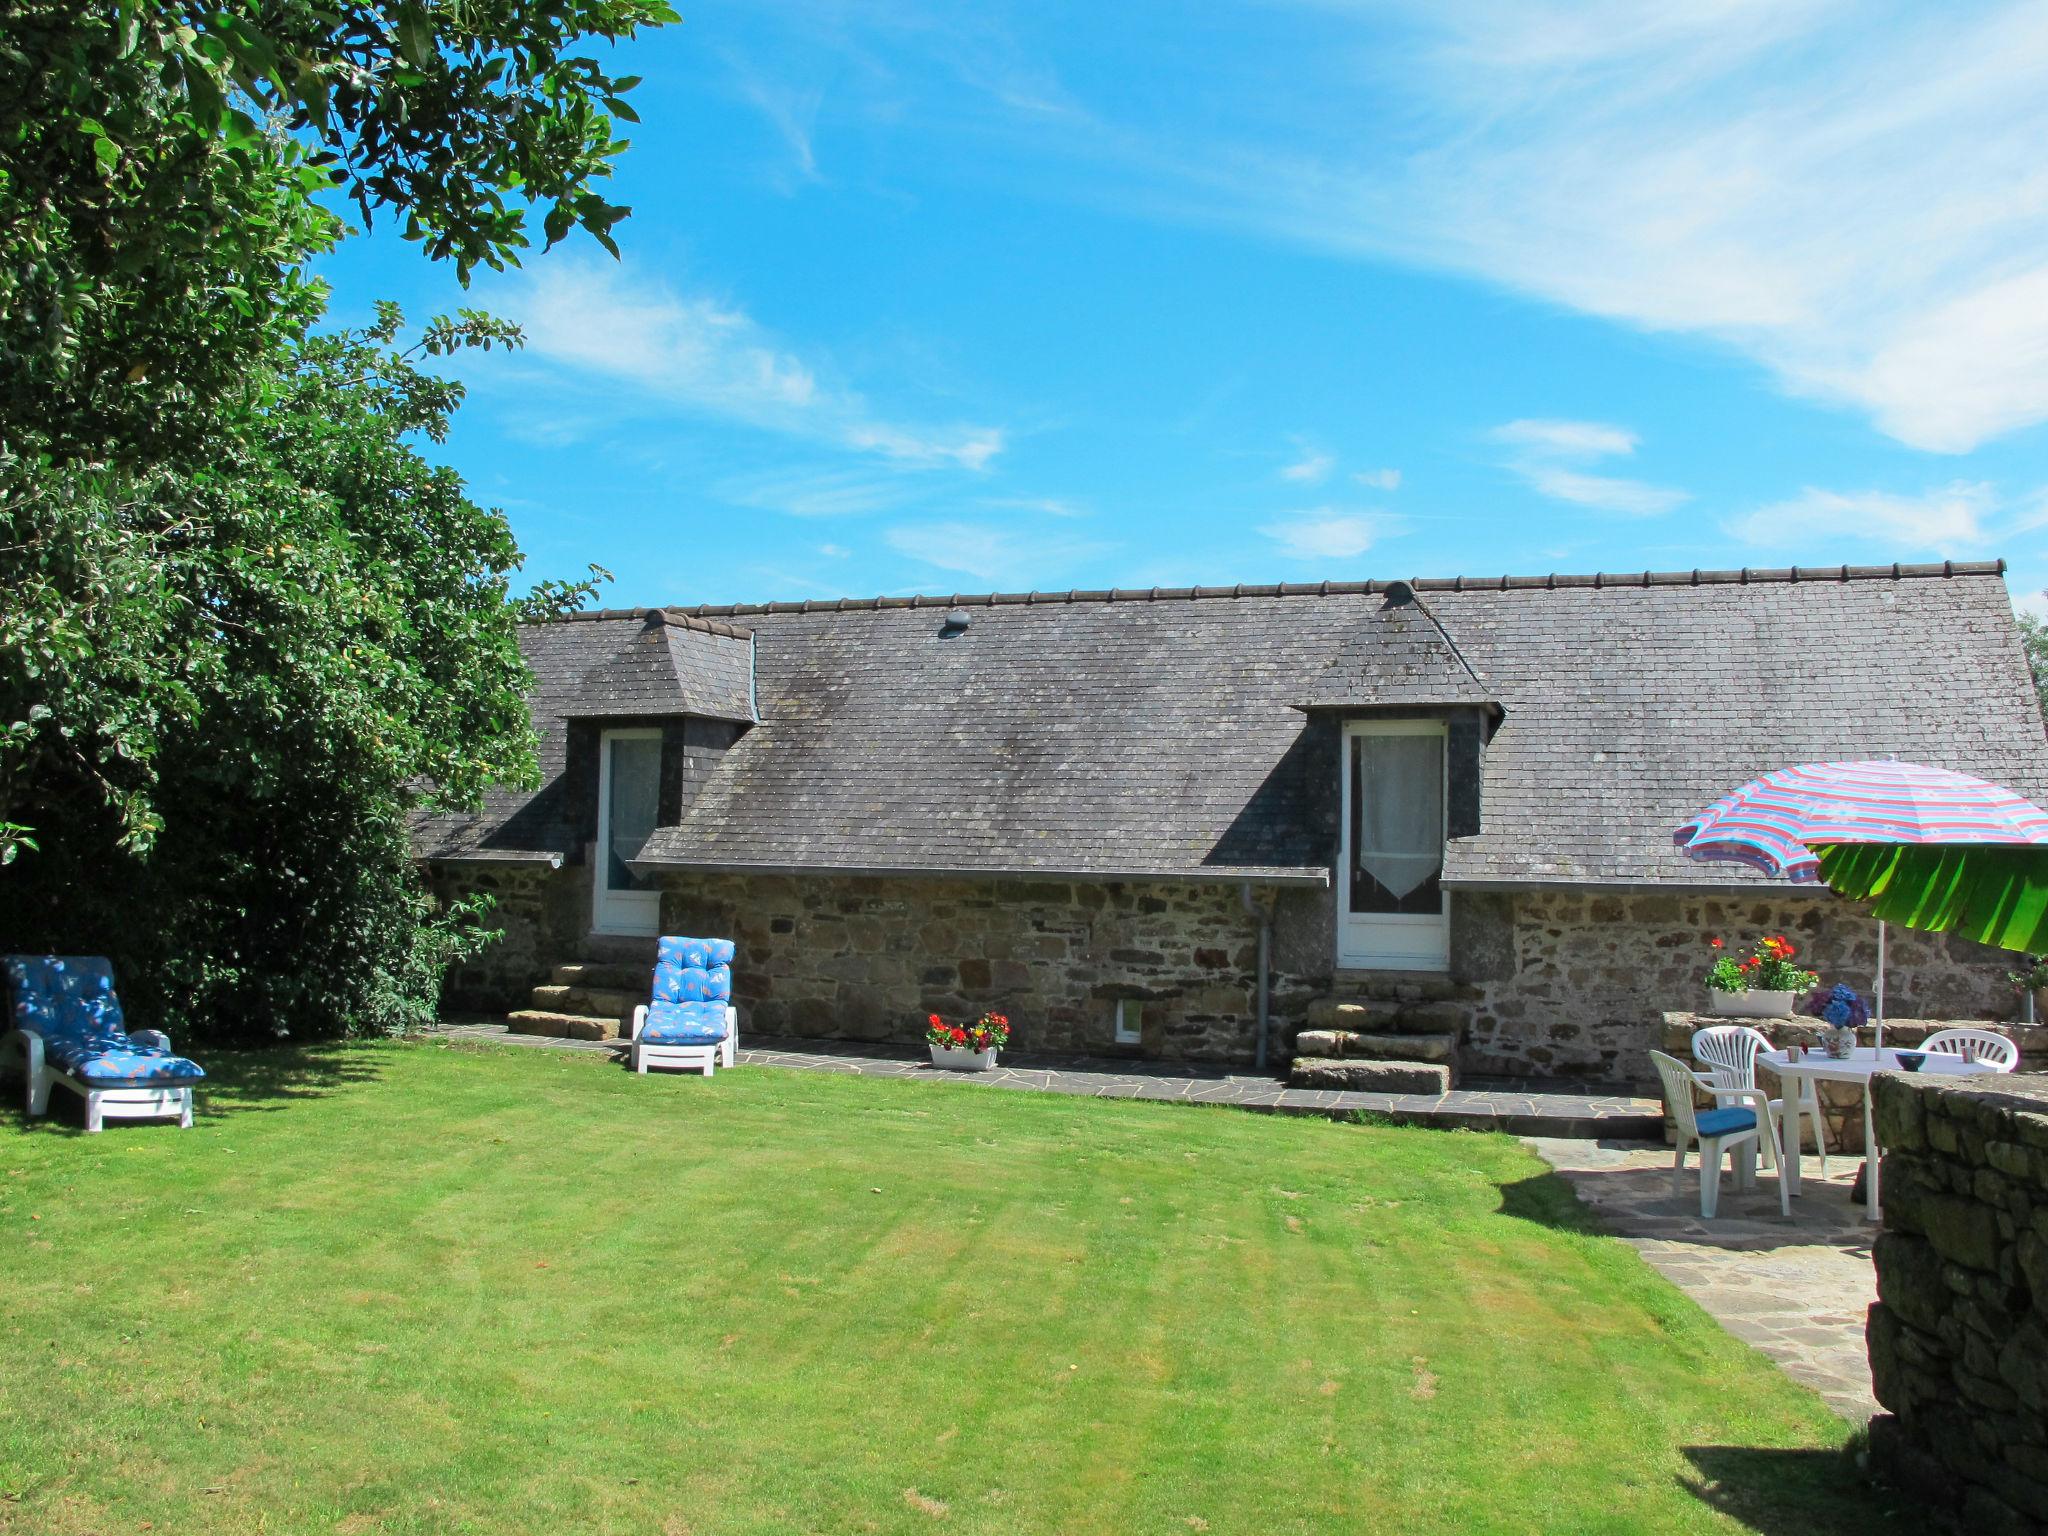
x=1204 y=874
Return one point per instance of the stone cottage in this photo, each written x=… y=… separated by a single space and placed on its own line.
x=1177 y=822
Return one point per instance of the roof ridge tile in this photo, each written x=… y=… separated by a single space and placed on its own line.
x=1748 y=576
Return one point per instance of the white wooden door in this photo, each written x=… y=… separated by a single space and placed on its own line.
x=628 y=797
x=1391 y=905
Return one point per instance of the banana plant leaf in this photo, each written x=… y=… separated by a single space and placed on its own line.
x=1995 y=895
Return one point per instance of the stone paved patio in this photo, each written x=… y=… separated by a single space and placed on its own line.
x=1797 y=1290
x=1519 y=1106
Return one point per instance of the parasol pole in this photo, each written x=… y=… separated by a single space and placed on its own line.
x=1880 y=989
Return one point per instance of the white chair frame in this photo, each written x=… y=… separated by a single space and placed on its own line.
x=1679 y=1083
x=167 y=1101
x=699 y=1058
x=1993 y=1048
x=1728 y=1053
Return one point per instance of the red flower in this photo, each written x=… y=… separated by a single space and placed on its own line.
x=935 y=1021
x=1715 y=942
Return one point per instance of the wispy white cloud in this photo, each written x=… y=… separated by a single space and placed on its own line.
x=1050 y=506
x=1003 y=557
x=1852 y=196
x=1328 y=533
x=816 y=492
x=1603 y=493
x=1960 y=518
x=1312 y=468
x=1379 y=479
x=834 y=551
x=789 y=110
x=691 y=353
x=1550 y=456
x=1569 y=439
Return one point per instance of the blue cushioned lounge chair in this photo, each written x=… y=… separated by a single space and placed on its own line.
x=68 y=1030
x=691 y=1022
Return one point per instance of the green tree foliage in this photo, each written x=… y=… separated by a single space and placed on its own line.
x=2034 y=640
x=248 y=627
x=229 y=690
x=160 y=162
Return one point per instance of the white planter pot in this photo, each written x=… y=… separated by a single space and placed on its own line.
x=953 y=1059
x=1750 y=1005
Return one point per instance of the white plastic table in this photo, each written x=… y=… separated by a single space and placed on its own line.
x=1860 y=1068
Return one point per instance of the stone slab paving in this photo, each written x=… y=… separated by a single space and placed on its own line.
x=1517 y=1106
x=1797 y=1290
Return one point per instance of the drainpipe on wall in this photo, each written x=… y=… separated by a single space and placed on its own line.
x=1264 y=911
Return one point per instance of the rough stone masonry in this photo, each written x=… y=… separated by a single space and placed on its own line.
x=1959 y=1334
x=1543 y=982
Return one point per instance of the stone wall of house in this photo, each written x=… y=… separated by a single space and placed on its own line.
x=544 y=914
x=1578 y=982
x=1542 y=982
x=1959 y=1335
x=1841 y=1104
x=862 y=958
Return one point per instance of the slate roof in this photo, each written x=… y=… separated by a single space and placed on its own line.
x=673 y=666
x=1401 y=658
x=1161 y=733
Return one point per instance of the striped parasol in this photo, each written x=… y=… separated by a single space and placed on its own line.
x=1773 y=824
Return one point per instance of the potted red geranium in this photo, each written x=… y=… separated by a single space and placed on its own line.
x=967 y=1047
x=1759 y=985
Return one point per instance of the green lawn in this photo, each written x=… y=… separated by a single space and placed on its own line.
x=407 y=1288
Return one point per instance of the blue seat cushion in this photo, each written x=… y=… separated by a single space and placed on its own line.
x=1726 y=1122
x=684 y=1024
x=135 y=1067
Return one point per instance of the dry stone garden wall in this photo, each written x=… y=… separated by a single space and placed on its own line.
x=1959 y=1335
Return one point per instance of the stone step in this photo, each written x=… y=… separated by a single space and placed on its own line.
x=1343 y=1043
x=1403 y=987
x=562 y=1026
x=593 y=1002
x=1411 y=1077
x=620 y=949
x=1383 y=1017
x=622 y=976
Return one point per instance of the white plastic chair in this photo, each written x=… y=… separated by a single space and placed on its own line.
x=1727 y=1127
x=1728 y=1053
x=1990 y=1046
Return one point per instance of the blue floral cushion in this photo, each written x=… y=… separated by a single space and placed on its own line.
x=693 y=971
x=685 y=1023
x=143 y=1067
x=69 y=1000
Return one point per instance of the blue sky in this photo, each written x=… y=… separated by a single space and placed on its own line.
x=934 y=297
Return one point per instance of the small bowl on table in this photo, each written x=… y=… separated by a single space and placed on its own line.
x=1909 y=1061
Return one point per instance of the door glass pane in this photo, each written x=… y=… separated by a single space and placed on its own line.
x=1397 y=824
x=635 y=792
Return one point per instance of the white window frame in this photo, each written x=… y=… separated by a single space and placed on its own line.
x=1389 y=941
x=1129 y=1008
x=637 y=913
